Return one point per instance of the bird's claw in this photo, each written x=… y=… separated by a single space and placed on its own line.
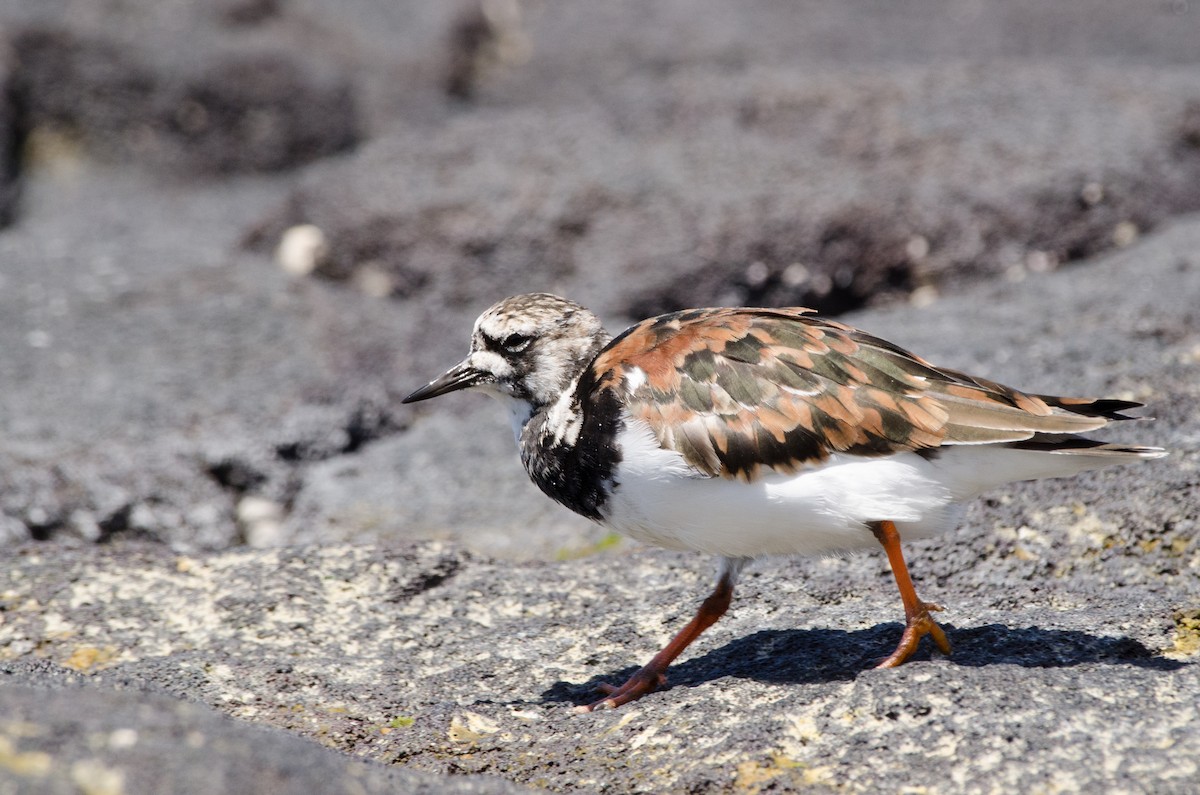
x=917 y=625
x=642 y=682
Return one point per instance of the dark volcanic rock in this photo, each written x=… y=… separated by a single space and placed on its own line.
x=772 y=186
x=13 y=121
x=207 y=108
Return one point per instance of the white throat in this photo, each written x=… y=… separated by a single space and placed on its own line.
x=519 y=411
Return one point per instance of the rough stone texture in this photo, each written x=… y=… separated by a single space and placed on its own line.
x=154 y=375
x=171 y=398
x=1062 y=676
x=102 y=741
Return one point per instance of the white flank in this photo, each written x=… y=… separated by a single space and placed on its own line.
x=826 y=508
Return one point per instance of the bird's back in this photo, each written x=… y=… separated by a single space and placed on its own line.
x=740 y=391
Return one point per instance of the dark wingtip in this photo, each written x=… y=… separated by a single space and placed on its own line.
x=1109 y=408
x=1051 y=443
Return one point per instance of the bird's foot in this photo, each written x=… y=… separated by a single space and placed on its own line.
x=918 y=624
x=645 y=680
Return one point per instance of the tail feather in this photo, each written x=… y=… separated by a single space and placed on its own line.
x=969 y=470
x=1081 y=445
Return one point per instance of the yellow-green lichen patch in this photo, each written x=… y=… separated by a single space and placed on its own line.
x=89 y=659
x=1186 y=641
x=607 y=543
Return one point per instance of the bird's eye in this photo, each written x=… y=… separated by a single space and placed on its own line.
x=515 y=343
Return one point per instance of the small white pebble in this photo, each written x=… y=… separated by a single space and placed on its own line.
x=257 y=509
x=301 y=249
x=1124 y=234
x=264 y=534
x=262 y=522
x=923 y=296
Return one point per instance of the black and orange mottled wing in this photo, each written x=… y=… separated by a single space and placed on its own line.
x=738 y=390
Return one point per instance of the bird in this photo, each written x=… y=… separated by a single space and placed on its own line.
x=749 y=432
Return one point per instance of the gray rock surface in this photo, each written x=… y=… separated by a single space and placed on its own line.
x=1005 y=188
x=1063 y=674
x=102 y=741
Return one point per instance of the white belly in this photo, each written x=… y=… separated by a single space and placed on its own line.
x=659 y=499
x=826 y=508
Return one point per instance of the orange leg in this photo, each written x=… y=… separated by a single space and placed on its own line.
x=917 y=619
x=653 y=674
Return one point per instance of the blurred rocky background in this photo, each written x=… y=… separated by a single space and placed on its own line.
x=235 y=232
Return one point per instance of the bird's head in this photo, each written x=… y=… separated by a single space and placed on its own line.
x=527 y=348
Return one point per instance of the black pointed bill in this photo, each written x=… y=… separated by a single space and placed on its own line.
x=460 y=376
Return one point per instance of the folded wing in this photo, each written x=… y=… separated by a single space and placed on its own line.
x=739 y=390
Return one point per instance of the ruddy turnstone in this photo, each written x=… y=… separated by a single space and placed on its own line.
x=751 y=432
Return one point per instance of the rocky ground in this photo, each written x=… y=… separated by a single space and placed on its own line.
x=237 y=232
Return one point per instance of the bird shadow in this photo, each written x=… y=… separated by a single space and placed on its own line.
x=812 y=656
